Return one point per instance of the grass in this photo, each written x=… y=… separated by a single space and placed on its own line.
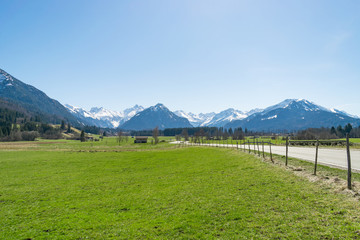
x=162 y=192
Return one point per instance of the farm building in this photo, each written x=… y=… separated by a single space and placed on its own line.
x=140 y=139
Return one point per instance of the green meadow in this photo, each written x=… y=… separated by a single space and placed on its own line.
x=111 y=190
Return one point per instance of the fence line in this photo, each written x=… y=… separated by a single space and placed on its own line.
x=257 y=151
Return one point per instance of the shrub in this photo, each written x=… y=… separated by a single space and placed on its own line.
x=29 y=136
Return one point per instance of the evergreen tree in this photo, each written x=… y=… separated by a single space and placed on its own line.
x=348 y=128
x=340 y=131
x=333 y=131
x=62 y=125
x=82 y=136
x=69 y=128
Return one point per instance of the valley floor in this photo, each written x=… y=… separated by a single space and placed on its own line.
x=105 y=191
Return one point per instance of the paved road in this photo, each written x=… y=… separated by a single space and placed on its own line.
x=331 y=157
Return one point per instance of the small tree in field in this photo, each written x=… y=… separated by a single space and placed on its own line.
x=82 y=136
x=156 y=135
x=69 y=128
x=185 y=134
x=120 y=136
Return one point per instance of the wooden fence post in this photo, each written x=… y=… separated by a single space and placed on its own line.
x=316 y=155
x=263 y=149
x=249 y=145
x=237 y=145
x=257 y=143
x=271 y=158
x=254 y=147
x=287 y=150
x=348 y=160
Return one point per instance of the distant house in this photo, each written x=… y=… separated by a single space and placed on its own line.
x=140 y=139
x=89 y=138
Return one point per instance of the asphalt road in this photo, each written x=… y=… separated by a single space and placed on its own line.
x=327 y=156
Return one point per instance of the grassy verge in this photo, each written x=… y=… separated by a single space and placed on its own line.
x=188 y=193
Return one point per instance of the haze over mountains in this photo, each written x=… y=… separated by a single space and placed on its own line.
x=291 y=114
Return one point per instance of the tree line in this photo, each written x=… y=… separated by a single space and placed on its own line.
x=327 y=133
x=16 y=126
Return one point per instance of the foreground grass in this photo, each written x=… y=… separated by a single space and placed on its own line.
x=189 y=193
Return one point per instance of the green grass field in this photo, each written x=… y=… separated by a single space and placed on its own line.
x=100 y=190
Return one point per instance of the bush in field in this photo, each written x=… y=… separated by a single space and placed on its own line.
x=29 y=136
x=52 y=134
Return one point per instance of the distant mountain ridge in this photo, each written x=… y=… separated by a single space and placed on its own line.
x=290 y=114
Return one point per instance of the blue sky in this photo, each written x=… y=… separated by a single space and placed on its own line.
x=194 y=55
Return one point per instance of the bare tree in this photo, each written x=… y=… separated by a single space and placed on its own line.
x=185 y=134
x=120 y=136
x=156 y=135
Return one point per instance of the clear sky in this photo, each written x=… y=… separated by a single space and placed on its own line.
x=194 y=55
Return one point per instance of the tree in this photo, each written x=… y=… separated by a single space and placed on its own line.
x=120 y=136
x=333 y=130
x=340 y=131
x=82 y=136
x=155 y=135
x=348 y=128
x=185 y=134
x=69 y=128
x=104 y=134
x=62 y=125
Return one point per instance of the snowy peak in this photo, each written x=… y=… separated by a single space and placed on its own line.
x=100 y=112
x=102 y=117
x=343 y=113
x=212 y=119
x=155 y=116
x=296 y=104
x=6 y=80
x=195 y=119
x=224 y=117
x=130 y=112
x=159 y=107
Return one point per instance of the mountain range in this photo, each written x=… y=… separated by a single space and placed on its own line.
x=101 y=117
x=291 y=114
x=294 y=114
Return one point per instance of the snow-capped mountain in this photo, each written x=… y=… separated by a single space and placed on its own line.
x=343 y=112
x=32 y=100
x=196 y=120
x=294 y=114
x=212 y=119
x=102 y=117
x=290 y=114
x=155 y=116
x=224 y=117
